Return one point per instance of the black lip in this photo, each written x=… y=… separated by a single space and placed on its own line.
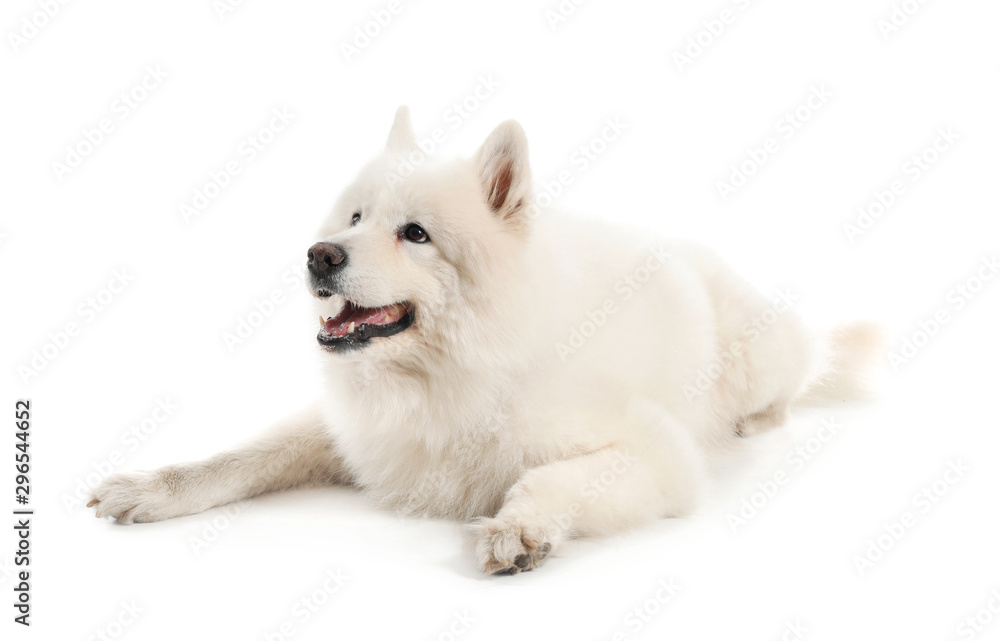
x=323 y=286
x=363 y=334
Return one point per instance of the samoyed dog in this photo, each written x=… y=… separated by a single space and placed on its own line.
x=535 y=375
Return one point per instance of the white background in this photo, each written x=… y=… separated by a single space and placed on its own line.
x=793 y=563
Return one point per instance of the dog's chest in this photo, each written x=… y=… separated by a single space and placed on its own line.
x=431 y=464
x=463 y=478
x=441 y=446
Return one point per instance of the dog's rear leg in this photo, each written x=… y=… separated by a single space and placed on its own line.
x=655 y=471
x=297 y=451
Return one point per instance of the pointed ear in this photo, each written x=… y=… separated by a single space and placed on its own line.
x=503 y=167
x=401 y=137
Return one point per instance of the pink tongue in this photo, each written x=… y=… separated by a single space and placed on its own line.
x=339 y=324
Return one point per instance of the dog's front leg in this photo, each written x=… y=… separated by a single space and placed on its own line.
x=297 y=451
x=606 y=491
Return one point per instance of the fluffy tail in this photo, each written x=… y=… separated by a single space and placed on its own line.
x=846 y=364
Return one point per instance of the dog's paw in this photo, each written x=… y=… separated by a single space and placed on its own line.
x=139 y=496
x=504 y=547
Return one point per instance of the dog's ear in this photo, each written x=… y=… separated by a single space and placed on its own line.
x=401 y=136
x=503 y=167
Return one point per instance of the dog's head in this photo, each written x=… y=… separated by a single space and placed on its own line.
x=419 y=256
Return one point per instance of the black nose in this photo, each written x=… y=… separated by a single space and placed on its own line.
x=324 y=258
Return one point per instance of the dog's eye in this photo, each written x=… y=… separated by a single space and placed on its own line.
x=415 y=234
x=356 y=218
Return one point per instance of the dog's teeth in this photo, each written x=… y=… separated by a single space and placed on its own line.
x=322 y=321
x=350 y=328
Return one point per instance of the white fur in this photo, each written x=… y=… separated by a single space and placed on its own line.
x=481 y=410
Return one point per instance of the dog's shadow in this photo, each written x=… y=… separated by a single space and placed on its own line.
x=349 y=519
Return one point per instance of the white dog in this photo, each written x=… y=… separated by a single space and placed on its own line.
x=538 y=375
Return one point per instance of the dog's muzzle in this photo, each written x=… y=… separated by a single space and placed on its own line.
x=325 y=261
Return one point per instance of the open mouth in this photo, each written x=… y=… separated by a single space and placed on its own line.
x=355 y=326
